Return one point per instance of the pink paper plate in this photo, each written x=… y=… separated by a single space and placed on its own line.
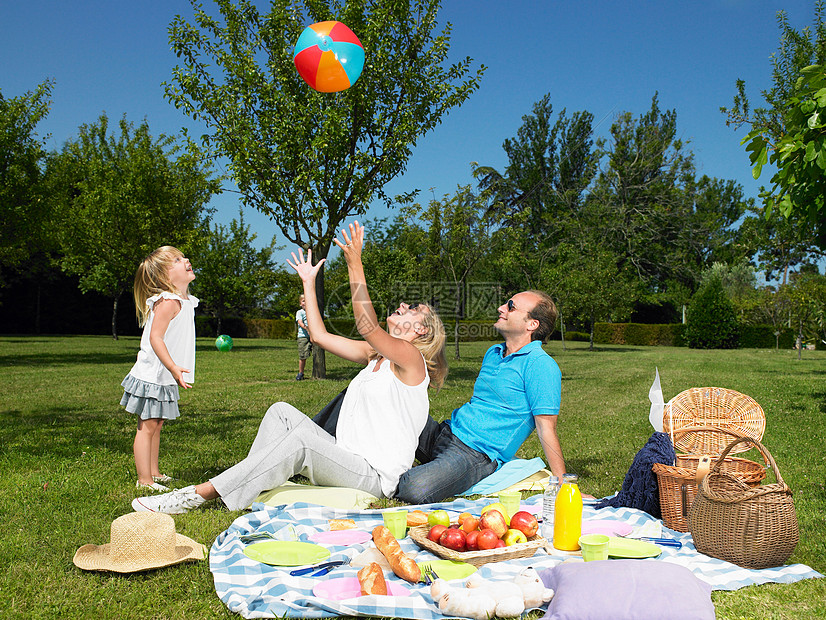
x=341 y=537
x=607 y=527
x=342 y=588
x=534 y=509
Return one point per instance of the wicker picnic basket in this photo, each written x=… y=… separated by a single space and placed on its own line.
x=701 y=422
x=753 y=527
x=477 y=558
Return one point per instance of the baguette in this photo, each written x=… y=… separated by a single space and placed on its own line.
x=371 y=580
x=401 y=565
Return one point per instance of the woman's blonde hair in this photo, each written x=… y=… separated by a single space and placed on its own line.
x=432 y=346
x=152 y=278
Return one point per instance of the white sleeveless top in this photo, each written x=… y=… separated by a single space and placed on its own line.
x=179 y=339
x=381 y=419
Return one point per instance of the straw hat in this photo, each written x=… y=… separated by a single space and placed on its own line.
x=139 y=541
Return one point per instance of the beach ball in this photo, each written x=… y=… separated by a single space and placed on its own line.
x=329 y=56
x=223 y=343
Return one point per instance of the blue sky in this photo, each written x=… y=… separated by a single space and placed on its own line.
x=606 y=57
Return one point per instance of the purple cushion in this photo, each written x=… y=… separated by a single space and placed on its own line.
x=626 y=590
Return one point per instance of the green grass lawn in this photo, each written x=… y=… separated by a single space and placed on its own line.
x=67 y=468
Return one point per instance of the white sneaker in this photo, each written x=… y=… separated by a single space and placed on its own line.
x=155 y=486
x=163 y=478
x=177 y=502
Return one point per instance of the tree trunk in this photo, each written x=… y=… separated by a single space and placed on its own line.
x=37 y=312
x=218 y=325
x=562 y=330
x=591 y=346
x=115 y=317
x=319 y=359
x=456 y=338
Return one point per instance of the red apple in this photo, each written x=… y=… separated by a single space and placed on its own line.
x=453 y=539
x=487 y=539
x=525 y=522
x=494 y=520
x=436 y=532
x=500 y=543
x=472 y=540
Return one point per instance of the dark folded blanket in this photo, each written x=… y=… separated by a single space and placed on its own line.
x=639 y=489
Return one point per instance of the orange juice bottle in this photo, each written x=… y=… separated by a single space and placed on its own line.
x=568 y=514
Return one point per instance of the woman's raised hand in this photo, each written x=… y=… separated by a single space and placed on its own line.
x=353 y=241
x=305 y=268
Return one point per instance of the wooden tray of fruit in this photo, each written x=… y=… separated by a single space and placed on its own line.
x=477 y=558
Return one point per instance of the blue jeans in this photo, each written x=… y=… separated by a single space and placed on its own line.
x=448 y=467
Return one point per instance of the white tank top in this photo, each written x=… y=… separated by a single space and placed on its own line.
x=381 y=419
x=179 y=340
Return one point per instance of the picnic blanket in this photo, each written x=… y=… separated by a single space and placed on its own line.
x=256 y=590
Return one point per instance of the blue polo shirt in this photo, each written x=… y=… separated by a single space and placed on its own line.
x=508 y=393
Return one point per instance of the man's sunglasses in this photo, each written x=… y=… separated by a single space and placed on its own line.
x=413 y=306
x=511 y=306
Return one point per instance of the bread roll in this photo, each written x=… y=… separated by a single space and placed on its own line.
x=416 y=517
x=401 y=565
x=371 y=580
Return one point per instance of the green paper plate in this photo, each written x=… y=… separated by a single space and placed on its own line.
x=450 y=569
x=630 y=548
x=286 y=553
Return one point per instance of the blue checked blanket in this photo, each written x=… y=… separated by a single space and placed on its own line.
x=256 y=590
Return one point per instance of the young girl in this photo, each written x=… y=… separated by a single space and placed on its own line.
x=166 y=359
x=383 y=412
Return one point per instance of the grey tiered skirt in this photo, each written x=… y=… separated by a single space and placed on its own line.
x=150 y=400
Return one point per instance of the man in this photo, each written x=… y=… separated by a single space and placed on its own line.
x=305 y=347
x=518 y=389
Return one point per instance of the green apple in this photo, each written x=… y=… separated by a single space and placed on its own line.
x=513 y=537
x=438 y=517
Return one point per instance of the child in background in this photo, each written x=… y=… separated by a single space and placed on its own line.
x=166 y=358
x=305 y=347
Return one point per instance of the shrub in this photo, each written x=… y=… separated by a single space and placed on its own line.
x=711 y=322
x=669 y=334
x=762 y=337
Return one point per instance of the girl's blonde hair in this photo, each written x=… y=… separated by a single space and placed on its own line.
x=152 y=278
x=432 y=347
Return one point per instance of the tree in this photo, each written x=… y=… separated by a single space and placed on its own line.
x=22 y=156
x=460 y=228
x=309 y=160
x=789 y=132
x=233 y=276
x=712 y=322
x=118 y=197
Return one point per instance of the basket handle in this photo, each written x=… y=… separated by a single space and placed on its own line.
x=692 y=429
x=762 y=449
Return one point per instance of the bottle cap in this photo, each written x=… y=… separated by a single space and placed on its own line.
x=570 y=478
x=553 y=480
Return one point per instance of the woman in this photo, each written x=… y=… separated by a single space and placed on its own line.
x=383 y=412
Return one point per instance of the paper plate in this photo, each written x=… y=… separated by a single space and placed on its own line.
x=630 y=548
x=607 y=527
x=341 y=537
x=534 y=509
x=342 y=588
x=450 y=569
x=286 y=553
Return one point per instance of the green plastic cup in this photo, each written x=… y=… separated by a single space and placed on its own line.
x=511 y=501
x=396 y=522
x=594 y=547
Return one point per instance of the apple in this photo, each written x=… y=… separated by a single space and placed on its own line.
x=525 y=522
x=470 y=524
x=438 y=517
x=514 y=537
x=471 y=540
x=500 y=543
x=487 y=539
x=453 y=539
x=497 y=506
x=436 y=532
x=493 y=519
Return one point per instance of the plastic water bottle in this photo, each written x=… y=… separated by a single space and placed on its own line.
x=548 y=507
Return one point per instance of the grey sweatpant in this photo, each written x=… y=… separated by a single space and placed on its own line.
x=289 y=443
